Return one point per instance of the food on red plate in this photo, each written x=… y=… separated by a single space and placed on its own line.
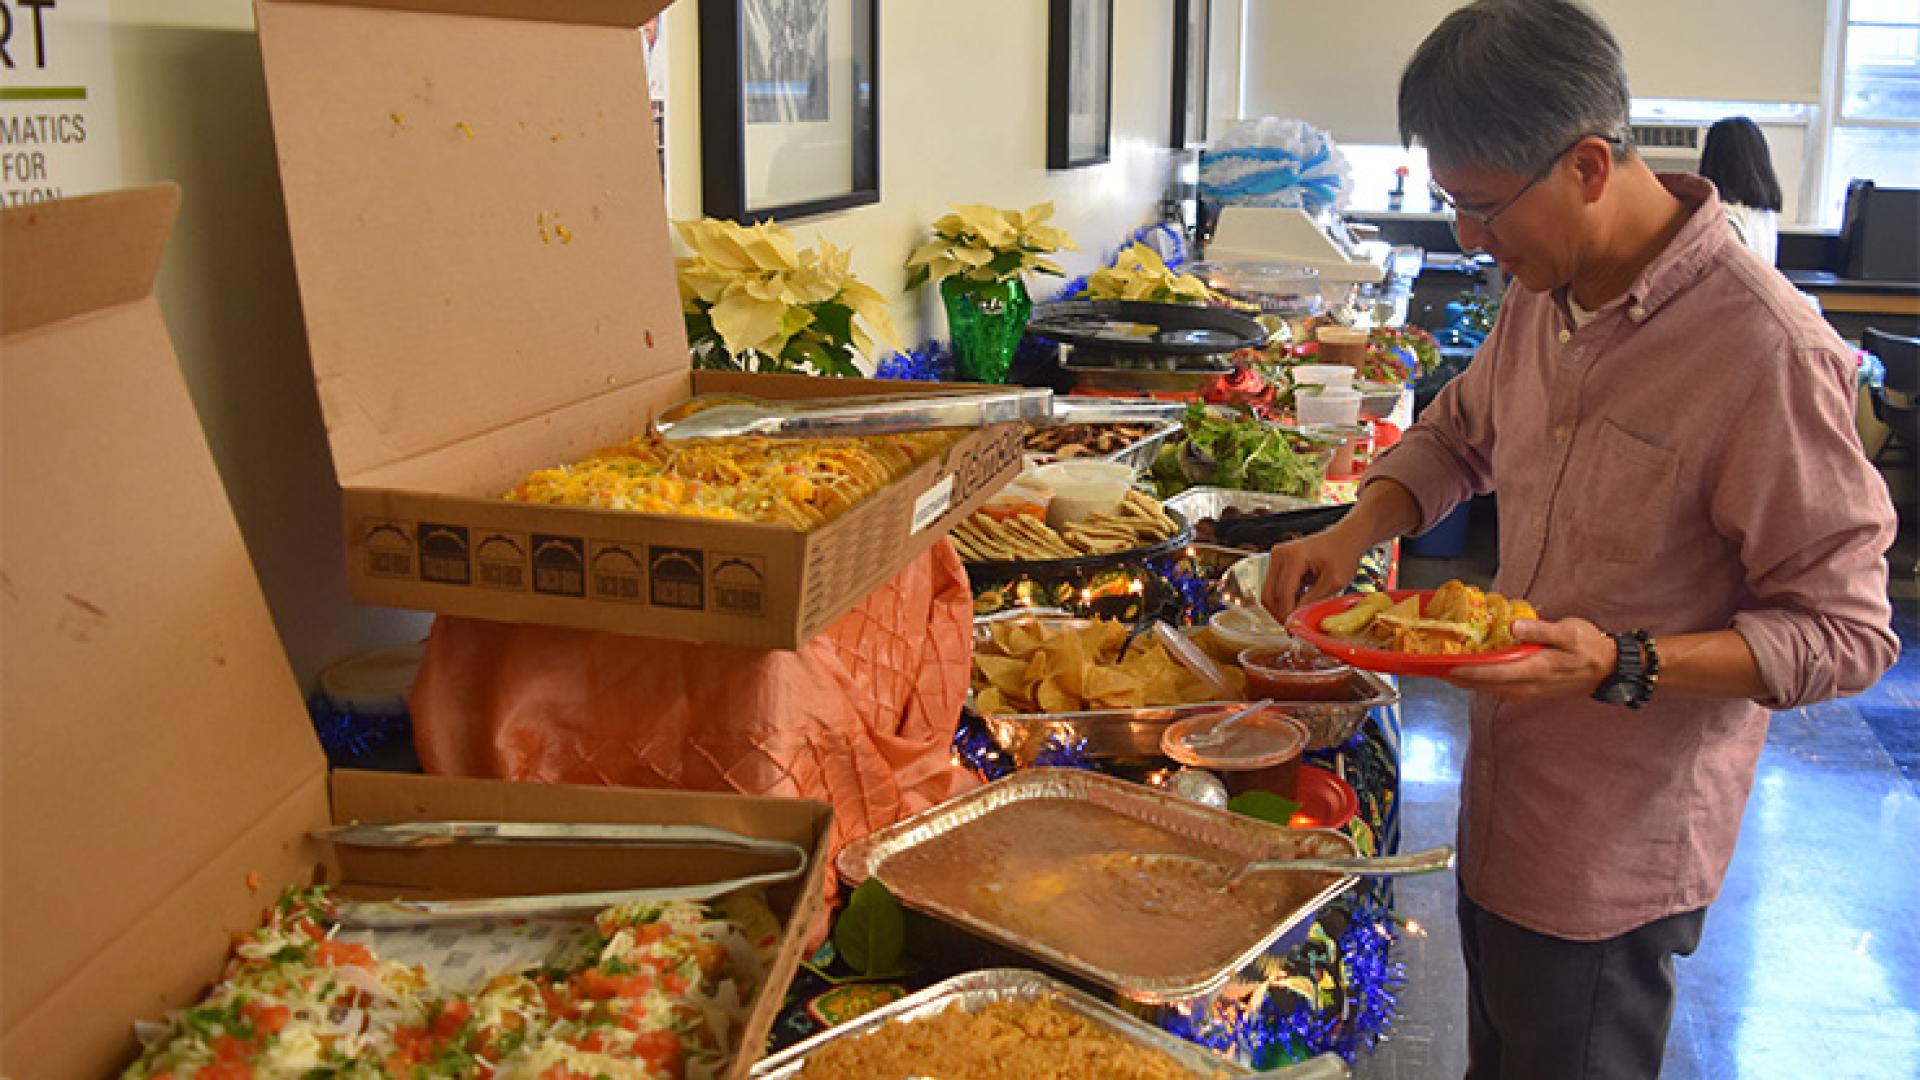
x=1457 y=620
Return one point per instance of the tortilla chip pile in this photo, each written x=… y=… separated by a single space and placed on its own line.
x=1458 y=619
x=1034 y=667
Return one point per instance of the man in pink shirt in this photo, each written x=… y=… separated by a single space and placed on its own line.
x=1669 y=427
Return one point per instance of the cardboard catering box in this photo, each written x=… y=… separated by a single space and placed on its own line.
x=482 y=247
x=157 y=751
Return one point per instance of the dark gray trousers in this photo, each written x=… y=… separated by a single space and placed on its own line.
x=1544 y=1008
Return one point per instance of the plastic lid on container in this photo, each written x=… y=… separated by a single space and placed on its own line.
x=1267 y=738
x=1329 y=375
x=374 y=684
x=1247 y=627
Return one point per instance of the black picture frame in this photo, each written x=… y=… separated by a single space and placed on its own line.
x=743 y=108
x=1192 y=27
x=1079 y=83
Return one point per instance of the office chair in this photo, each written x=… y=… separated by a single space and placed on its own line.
x=1901 y=355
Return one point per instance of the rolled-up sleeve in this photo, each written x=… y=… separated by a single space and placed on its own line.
x=1813 y=521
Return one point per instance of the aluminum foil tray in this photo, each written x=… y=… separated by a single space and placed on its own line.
x=980 y=988
x=1196 y=503
x=1137 y=455
x=1135 y=733
x=1235 y=833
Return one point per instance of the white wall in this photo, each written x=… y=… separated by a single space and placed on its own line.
x=192 y=108
x=963 y=119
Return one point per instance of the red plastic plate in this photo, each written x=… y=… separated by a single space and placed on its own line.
x=1326 y=801
x=1304 y=623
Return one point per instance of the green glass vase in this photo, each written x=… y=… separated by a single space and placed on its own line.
x=985 y=319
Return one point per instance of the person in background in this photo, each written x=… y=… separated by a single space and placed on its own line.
x=1682 y=496
x=1736 y=159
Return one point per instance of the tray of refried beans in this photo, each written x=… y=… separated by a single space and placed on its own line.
x=1060 y=864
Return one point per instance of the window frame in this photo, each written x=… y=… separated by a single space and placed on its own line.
x=1832 y=108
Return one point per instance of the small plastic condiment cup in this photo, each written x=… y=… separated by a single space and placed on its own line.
x=1082 y=489
x=1343 y=345
x=1326 y=405
x=1296 y=672
x=1322 y=375
x=1261 y=752
x=1241 y=628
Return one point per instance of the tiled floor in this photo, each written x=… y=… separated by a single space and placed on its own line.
x=1810 y=966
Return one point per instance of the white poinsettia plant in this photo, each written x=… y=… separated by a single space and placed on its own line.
x=1139 y=273
x=755 y=301
x=984 y=244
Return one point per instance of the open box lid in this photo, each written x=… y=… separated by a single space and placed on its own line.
x=474 y=198
x=154 y=729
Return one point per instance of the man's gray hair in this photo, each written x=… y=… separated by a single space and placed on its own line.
x=1508 y=84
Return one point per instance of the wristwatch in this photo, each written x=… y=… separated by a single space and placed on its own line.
x=1636 y=668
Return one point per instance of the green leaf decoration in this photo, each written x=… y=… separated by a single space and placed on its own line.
x=872 y=931
x=1264 y=806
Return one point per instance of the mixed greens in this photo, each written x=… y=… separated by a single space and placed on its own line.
x=1235 y=449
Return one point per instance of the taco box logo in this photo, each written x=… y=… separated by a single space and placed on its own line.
x=986 y=461
x=559 y=565
x=677 y=578
x=737 y=584
x=445 y=556
x=618 y=573
x=500 y=561
x=388 y=546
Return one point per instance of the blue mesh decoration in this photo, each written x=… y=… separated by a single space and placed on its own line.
x=1058 y=753
x=931 y=362
x=1191 y=590
x=1373 y=977
x=347 y=734
x=976 y=750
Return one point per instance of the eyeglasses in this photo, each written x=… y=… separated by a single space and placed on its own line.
x=1486 y=218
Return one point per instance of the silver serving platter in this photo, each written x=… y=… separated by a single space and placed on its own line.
x=867 y=857
x=1196 y=503
x=1135 y=733
x=1137 y=455
x=977 y=989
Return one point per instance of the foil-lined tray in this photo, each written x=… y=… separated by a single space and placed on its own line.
x=1134 y=733
x=978 y=989
x=1137 y=455
x=1197 y=503
x=1205 y=826
x=1103 y=734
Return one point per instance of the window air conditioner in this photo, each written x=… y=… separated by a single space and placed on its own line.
x=1670 y=147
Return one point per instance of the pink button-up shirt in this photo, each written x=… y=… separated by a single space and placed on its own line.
x=1685 y=462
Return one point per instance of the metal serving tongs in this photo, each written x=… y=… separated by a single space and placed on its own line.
x=720 y=416
x=431 y=834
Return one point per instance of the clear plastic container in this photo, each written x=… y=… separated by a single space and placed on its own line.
x=1329 y=375
x=1242 y=628
x=1296 y=671
x=1326 y=405
x=1343 y=345
x=1261 y=752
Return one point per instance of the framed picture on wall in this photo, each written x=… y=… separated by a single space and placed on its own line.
x=1190 y=22
x=1079 y=83
x=789 y=107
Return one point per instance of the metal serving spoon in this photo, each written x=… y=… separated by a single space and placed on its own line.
x=1429 y=861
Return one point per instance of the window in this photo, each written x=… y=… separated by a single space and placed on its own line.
x=1876 y=127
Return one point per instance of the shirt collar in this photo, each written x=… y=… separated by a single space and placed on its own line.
x=1686 y=256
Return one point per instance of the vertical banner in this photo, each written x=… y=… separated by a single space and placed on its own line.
x=57 y=132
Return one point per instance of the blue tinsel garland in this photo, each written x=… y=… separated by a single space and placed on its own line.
x=347 y=734
x=931 y=362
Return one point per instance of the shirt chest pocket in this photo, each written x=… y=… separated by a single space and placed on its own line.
x=1620 y=507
